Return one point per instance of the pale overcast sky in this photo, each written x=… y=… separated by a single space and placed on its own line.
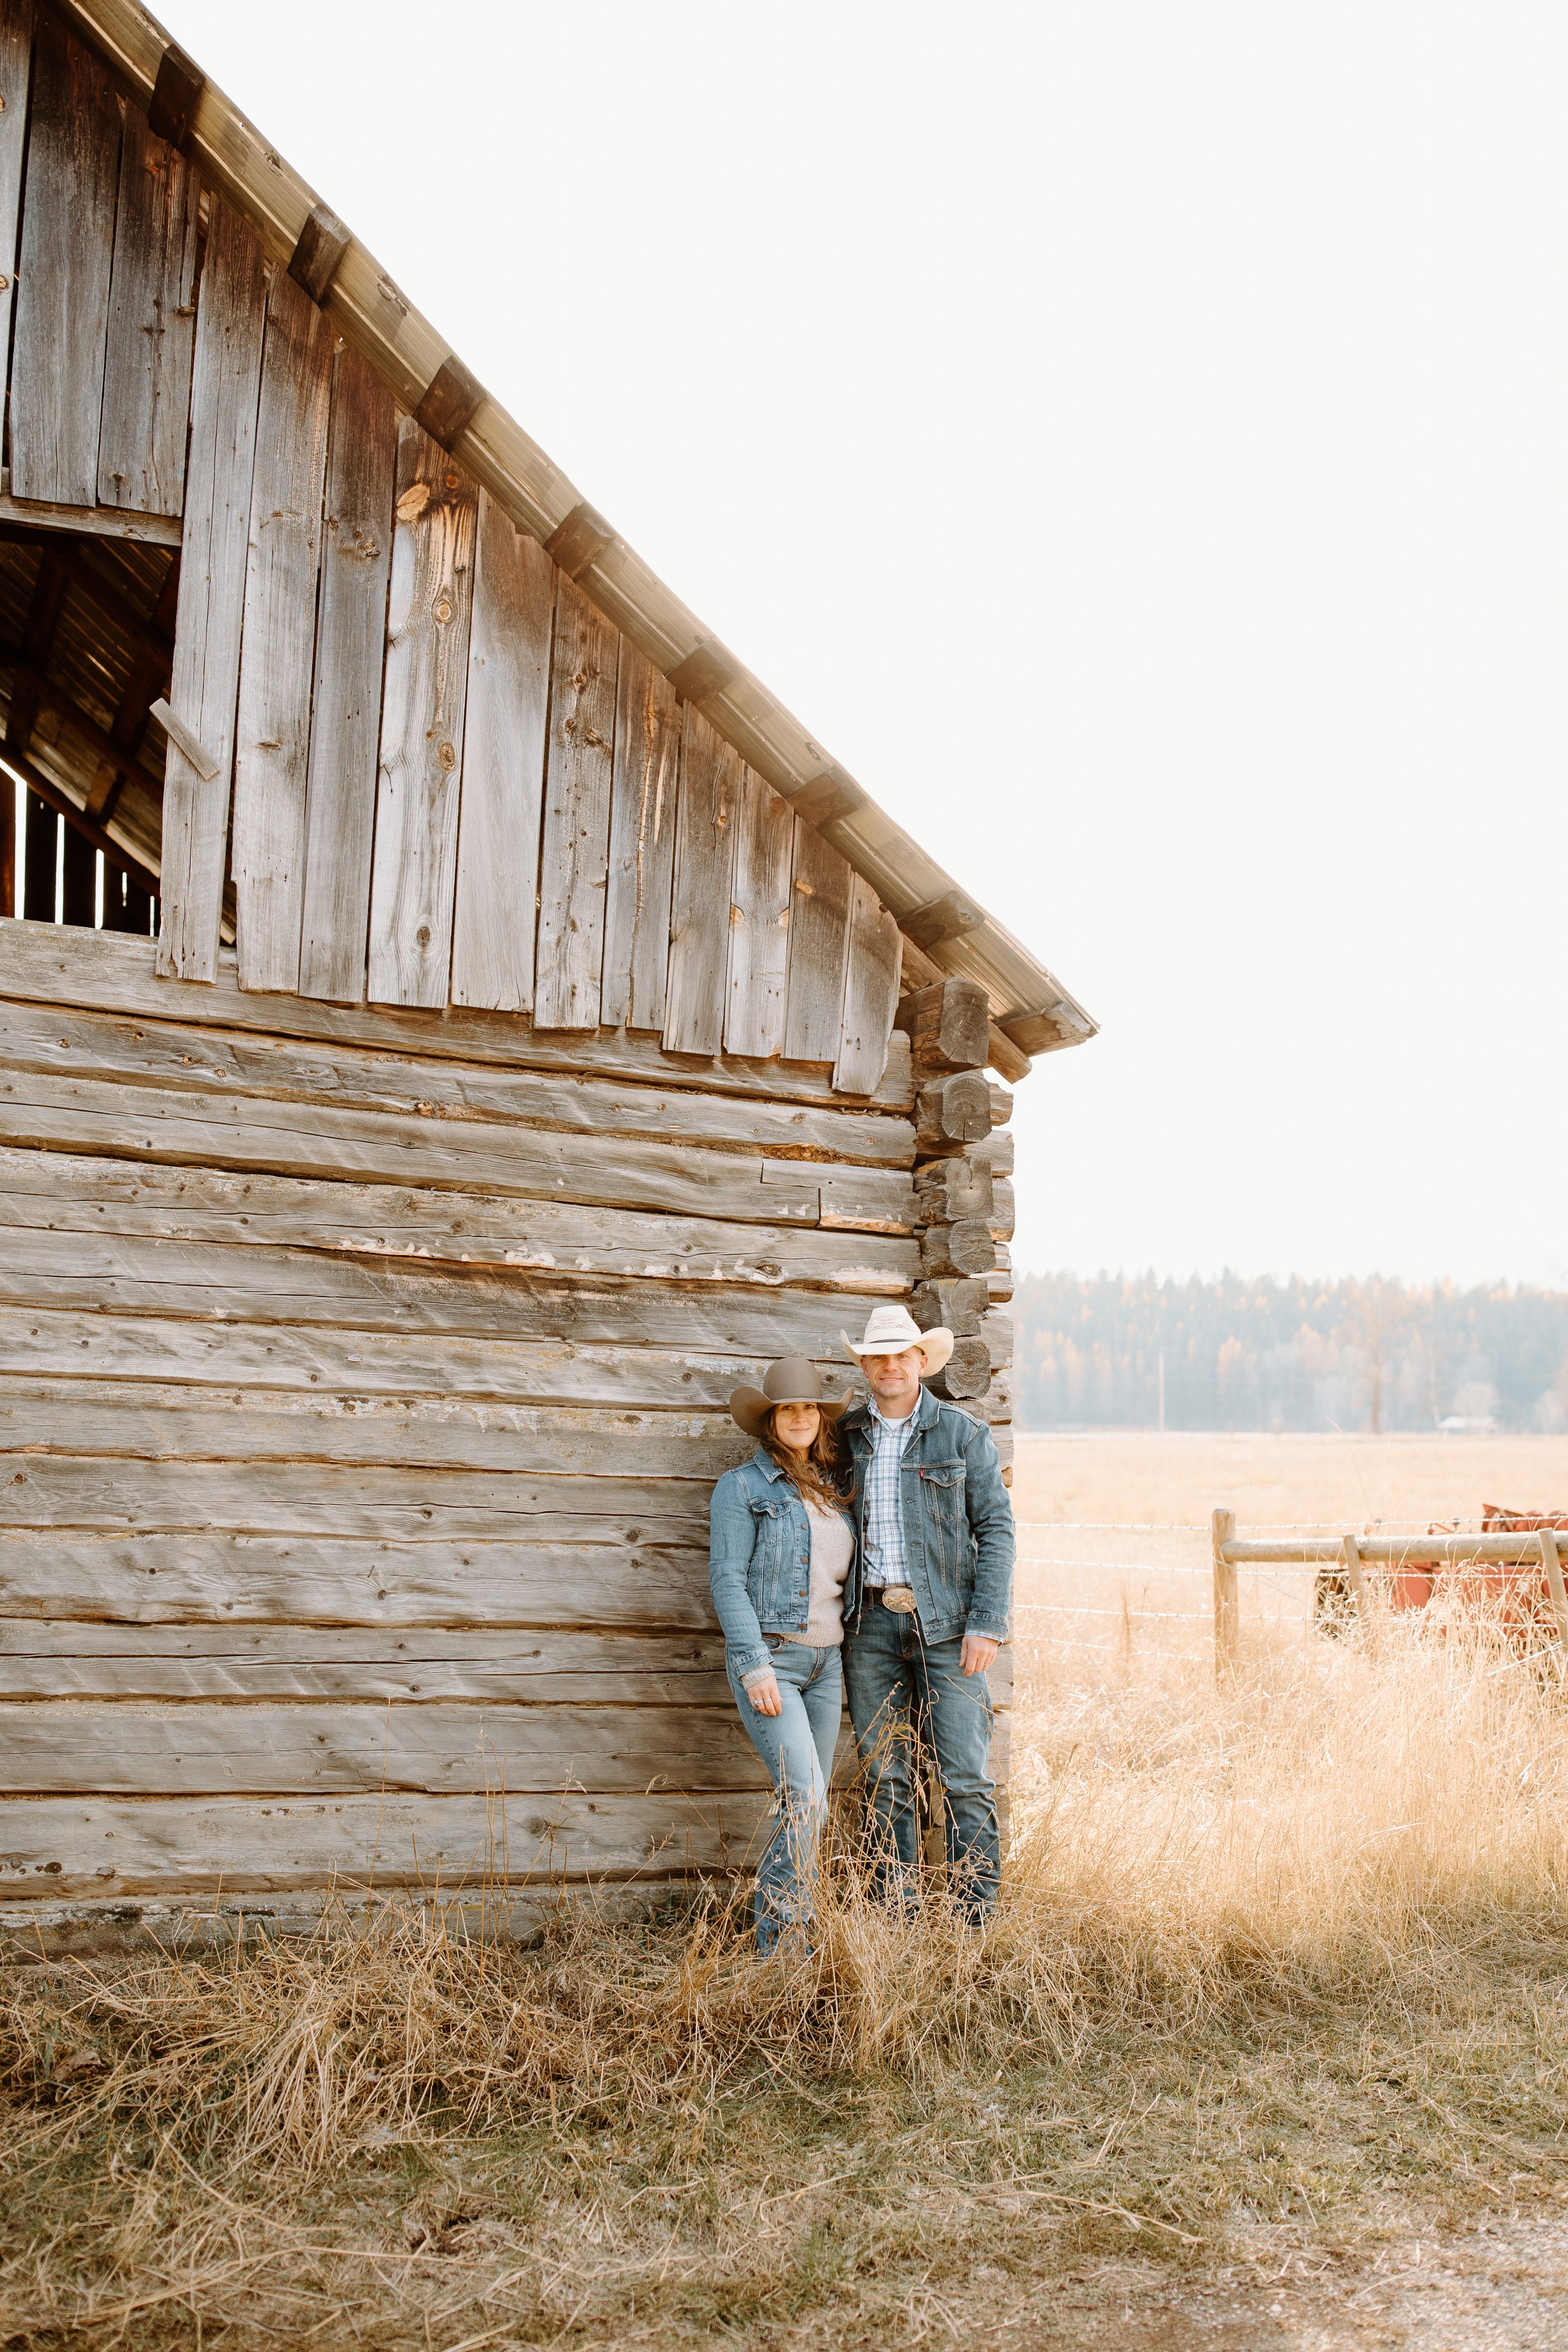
x=1132 y=438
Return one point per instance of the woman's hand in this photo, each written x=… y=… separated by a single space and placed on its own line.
x=763 y=1694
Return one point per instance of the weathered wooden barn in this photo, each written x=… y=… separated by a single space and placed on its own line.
x=455 y=1023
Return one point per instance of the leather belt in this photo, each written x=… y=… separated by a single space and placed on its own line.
x=898 y=1597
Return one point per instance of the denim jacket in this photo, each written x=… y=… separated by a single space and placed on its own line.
x=958 y=1519
x=758 y=1561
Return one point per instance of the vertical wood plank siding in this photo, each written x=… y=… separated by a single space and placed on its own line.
x=68 y=250
x=818 y=948
x=574 y=857
x=350 y=651
x=152 y=328
x=871 y=991
x=454 y=783
x=414 y=871
x=272 y=736
x=503 y=767
x=16 y=73
x=700 y=905
x=225 y=383
x=642 y=846
x=759 y=920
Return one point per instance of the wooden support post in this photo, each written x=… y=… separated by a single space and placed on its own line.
x=1226 y=1604
x=78 y=879
x=1354 y=1578
x=1552 y=1562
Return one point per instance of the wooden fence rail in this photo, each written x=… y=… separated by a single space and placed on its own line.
x=1352 y=1553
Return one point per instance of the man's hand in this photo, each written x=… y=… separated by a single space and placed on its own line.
x=764 y=1694
x=976 y=1654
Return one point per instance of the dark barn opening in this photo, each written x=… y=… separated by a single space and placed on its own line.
x=86 y=641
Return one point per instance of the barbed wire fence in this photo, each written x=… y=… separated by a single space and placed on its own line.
x=1072 y=1626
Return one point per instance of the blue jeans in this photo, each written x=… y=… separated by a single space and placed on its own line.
x=901 y=1687
x=797 y=1746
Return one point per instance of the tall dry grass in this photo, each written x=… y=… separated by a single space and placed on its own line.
x=1339 y=1834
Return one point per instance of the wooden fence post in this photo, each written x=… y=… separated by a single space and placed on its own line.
x=1552 y=1562
x=1226 y=1606
x=1354 y=1577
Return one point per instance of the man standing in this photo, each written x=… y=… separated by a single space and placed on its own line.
x=935 y=1524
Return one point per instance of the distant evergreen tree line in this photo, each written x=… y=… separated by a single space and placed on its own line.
x=1299 y=1354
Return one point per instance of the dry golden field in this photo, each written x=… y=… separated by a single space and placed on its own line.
x=1295 y=1480
x=1268 y=2046
x=1114 y=1544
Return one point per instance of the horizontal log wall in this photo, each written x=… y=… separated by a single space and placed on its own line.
x=362 y=1391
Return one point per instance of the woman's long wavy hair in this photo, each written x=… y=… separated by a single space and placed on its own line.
x=821 y=1473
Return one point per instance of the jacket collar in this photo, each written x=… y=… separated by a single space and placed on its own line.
x=860 y=1417
x=763 y=1460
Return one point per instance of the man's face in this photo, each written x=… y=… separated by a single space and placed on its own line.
x=895 y=1381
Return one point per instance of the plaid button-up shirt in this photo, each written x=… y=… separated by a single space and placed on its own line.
x=885 y=1562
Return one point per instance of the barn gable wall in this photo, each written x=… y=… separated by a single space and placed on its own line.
x=408 y=758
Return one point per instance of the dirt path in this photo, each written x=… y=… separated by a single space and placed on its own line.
x=1499 y=2287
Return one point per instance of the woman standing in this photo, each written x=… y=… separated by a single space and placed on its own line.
x=781 y=1553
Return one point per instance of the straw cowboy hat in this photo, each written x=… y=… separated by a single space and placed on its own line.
x=792 y=1380
x=890 y=1329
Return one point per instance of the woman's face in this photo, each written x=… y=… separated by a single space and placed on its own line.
x=795 y=1425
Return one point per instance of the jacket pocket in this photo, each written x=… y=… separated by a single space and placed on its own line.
x=947 y=1526
x=770 y=1528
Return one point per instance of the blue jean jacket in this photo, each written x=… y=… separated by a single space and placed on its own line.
x=957 y=1514
x=758 y=1561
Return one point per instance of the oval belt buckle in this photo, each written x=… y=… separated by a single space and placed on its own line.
x=899 y=1598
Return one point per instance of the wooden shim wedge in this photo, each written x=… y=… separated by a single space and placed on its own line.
x=43 y=963
x=574 y=859
x=15 y=74
x=272 y=734
x=413 y=876
x=226 y=381
x=86 y=1847
x=757 y=978
x=350 y=649
x=819 y=942
x=627 y=1573
x=699 y=908
x=68 y=249
x=204 y=1061
x=870 y=993
x=503 y=767
x=642 y=846
x=152 y=328
x=75 y=1746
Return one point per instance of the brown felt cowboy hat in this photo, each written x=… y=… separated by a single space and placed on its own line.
x=890 y=1329
x=791 y=1379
